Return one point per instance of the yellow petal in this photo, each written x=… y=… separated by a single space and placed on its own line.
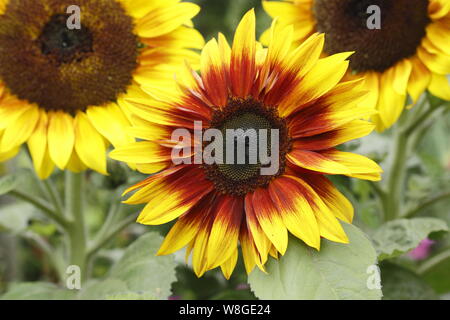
x=229 y=265
x=140 y=152
x=359 y=166
x=440 y=86
x=390 y=103
x=111 y=122
x=38 y=146
x=139 y=8
x=164 y=20
x=298 y=216
x=89 y=144
x=439 y=35
x=243 y=61
x=223 y=239
x=61 y=138
x=270 y=219
x=402 y=72
x=182 y=233
x=329 y=226
x=437 y=63
x=419 y=80
x=3 y=4
x=20 y=130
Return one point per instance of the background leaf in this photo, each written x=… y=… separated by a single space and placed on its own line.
x=14 y=217
x=36 y=291
x=139 y=273
x=397 y=237
x=338 y=271
x=402 y=284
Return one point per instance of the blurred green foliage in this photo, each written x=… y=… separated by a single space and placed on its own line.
x=22 y=260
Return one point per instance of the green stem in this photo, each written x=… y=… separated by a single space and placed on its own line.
x=396 y=180
x=113 y=212
x=54 y=196
x=77 y=231
x=101 y=242
x=405 y=141
x=421 y=207
x=43 y=206
x=433 y=261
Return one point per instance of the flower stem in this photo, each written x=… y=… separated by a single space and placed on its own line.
x=397 y=176
x=102 y=241
x=77 y=230
x=41 y=205
x=421 y=207
x=405 y=141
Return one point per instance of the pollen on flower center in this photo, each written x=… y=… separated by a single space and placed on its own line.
x=44 y=62
x=249 y=114
x=344 y=22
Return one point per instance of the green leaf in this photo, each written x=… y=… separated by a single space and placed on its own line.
x=101 y=290
x=12 y=180
x=139 y=274
x=131 y=296
x=399 y=236
x=143 y=271
x=36 y=291
x=402 y=284
x=438 y=276
x=14 y=218
x=8 y=183
x=337 y=271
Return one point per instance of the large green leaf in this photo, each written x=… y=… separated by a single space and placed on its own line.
x=36 y=291
x=399 y=236
x=402 y=284
x=337 y=271
x=143 y=271
x=101 y=290
x=138 y=274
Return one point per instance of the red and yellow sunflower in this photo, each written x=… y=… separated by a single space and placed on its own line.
x=220 y=205
x=408 y=54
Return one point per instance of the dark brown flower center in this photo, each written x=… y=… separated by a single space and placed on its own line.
x=345 y=24
x=240 y=178
x=64 y=45
x=45 y=61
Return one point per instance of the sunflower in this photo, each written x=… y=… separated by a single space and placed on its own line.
x=219 y=205
x=63 y=89
x=407 y=55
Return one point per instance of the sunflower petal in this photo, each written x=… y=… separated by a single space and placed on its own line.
x=329 y=226
x=111 y=122
x=20 y=130
x=38 y=146
x=61 y=138
x=440 y=86
x=229 y=265
x=89 y=144
x=419 y=80
x=168 y=197
x=270 y=219
x=165 y=19
x=223 y=239
x=243 y=63
x=298 y=216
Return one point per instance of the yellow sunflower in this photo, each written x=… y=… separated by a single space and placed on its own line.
x=407 y=55
x=63 y=87
x=249 y=87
